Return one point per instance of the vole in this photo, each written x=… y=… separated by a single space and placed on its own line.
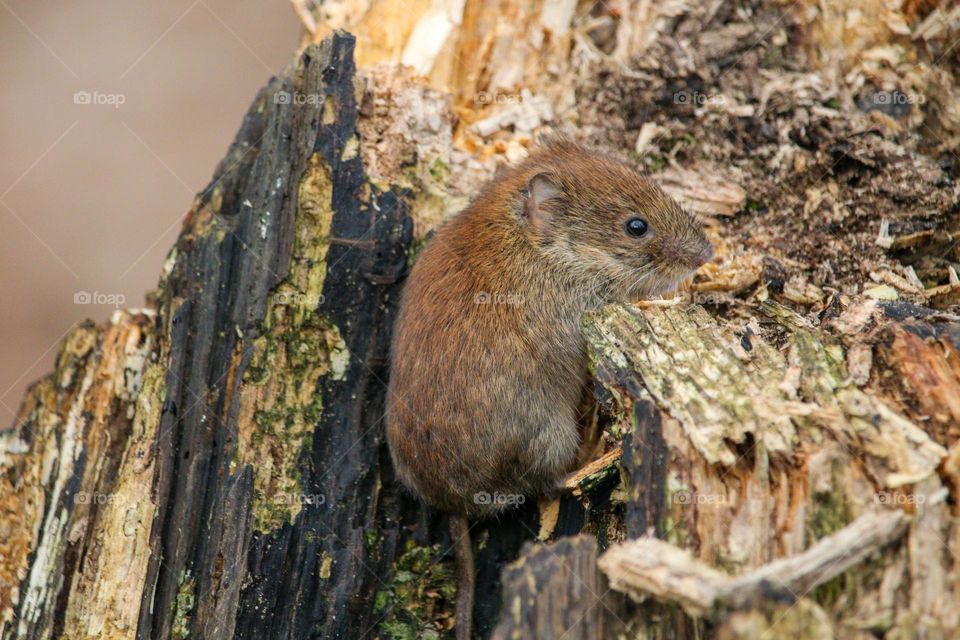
x=488 y=358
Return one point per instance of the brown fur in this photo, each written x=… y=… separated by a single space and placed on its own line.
x=488 y=360
x=483 y=396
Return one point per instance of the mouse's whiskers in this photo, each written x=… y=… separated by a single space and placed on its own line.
x=639 y=275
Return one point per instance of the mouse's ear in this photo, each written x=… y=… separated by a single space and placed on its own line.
x=542 y=188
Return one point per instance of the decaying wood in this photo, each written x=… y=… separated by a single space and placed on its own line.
x=648 y=567
x=577 y=481
x=214 y=466
x=772 y=449
x=172 y=478
x=557 y=591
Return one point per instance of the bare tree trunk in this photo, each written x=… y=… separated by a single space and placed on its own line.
x=779 y=441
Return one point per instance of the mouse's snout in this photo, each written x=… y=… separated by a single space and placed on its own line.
x=688 y=252
x=698 y=249
x=702 y=255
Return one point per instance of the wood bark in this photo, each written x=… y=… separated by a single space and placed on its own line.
x=779 y=454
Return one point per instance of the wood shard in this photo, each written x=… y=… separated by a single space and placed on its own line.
x=705 y=191
x=651 y=568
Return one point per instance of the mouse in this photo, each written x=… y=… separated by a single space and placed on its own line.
x=488 y=360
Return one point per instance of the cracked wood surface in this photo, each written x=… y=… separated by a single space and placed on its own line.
x=214 y=467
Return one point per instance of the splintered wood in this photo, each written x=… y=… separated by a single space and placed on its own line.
x=648 y=567
x=725 y=389
x=792 y=412
x=704 y=190
x=778 y=462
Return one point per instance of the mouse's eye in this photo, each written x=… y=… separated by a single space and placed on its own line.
x=637 y=227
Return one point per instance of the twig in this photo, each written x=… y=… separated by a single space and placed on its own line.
x=648 y=567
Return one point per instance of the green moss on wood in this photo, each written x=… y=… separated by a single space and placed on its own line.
x=183 y=607
x=297 y=347
x=418 y=601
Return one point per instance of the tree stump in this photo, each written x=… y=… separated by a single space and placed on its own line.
x=779 y=452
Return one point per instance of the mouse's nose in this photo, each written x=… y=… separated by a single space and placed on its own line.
x=699 y=255
x=704 y=255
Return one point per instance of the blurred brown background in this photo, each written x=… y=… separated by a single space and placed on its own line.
x=112 y=115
